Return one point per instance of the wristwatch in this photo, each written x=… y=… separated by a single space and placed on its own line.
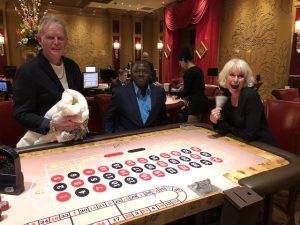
x=51 y=126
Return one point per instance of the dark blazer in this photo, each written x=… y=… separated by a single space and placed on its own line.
x=37 y=88
x=124 y=108
x=247 y=120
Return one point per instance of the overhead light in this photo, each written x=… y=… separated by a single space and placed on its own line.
x=297 y=31
x=1 y=45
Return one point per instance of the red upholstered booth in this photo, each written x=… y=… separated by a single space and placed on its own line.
x=103 y=103
x=95 y=122
x=289 y=94
x=284 y=121
x=11 y=131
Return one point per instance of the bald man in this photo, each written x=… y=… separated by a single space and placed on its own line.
x=145 y=57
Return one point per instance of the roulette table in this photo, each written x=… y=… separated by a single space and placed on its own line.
x=142 y=177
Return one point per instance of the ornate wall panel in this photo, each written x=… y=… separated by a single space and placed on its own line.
x=89 y=40
x=258 y=31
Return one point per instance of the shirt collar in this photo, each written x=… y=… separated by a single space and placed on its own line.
x=137 y=90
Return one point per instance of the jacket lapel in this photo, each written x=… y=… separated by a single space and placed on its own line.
x=46 y=66
x=153 y=103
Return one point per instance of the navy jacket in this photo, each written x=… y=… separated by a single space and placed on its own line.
x=124 y=113
x=37 y=88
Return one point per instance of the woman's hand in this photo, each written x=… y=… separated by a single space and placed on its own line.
x=215 y=115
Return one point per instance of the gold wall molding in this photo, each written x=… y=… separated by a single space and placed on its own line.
x=259 y=32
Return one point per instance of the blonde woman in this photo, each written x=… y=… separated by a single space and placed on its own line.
x=243 y=113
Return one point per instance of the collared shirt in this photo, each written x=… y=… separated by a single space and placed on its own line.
x=144 y=102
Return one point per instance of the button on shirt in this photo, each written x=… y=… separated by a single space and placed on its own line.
x=144 y=102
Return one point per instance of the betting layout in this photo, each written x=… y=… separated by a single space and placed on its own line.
x=118 y=181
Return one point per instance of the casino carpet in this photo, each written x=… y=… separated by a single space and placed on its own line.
x=279 y=217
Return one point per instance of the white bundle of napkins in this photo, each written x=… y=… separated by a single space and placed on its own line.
x=72 y=104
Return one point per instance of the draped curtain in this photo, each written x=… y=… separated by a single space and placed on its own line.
x=204 y=14
x=295 y=57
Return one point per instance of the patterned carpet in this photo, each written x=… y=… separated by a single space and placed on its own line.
x=279 y=217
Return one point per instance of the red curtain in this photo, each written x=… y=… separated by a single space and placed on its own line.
x=295 y=57
x=205 y=15
x=207 y=31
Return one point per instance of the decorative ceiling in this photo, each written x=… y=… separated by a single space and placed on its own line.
x=127 y=5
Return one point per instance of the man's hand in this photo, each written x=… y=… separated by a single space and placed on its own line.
x=65 y=124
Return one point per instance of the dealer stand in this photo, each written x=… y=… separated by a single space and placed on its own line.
x=242 y=206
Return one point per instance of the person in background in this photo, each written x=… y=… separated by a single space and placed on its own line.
x=243 y=113
x=40 y=82
x=129 y=68
x=193 y=87
x=145 y=56
x=121 y=79
x=138 y=104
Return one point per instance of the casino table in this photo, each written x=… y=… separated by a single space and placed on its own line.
x=149 y=176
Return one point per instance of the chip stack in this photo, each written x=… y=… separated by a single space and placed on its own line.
x=3 y=206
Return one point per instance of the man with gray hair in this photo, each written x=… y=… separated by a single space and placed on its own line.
x=39 y=83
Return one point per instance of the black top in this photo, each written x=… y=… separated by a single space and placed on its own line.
x=116 y=83
x=194 y=86
x=37 y=88
x=247 y=120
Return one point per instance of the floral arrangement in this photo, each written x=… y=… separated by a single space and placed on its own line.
x=29 y=10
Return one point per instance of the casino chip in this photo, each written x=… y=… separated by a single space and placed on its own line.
x=4 y=205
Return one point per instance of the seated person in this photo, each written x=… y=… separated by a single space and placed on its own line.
x=243 y=113
x=138 y=104
x=121 y=79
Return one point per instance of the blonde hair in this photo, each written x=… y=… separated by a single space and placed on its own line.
x=50 y=19
x=239 y=64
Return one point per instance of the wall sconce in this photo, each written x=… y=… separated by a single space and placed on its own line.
x=1 y=45
x=116 y=48
x=116 y=45
x=138 y=46
x=297 y=31
x=160 y=46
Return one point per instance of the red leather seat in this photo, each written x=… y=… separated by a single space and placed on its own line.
x=284 y=121
x=288 y=94
x=95 y=122
x=173 y=110
x=103 y=103
x=11 y=131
